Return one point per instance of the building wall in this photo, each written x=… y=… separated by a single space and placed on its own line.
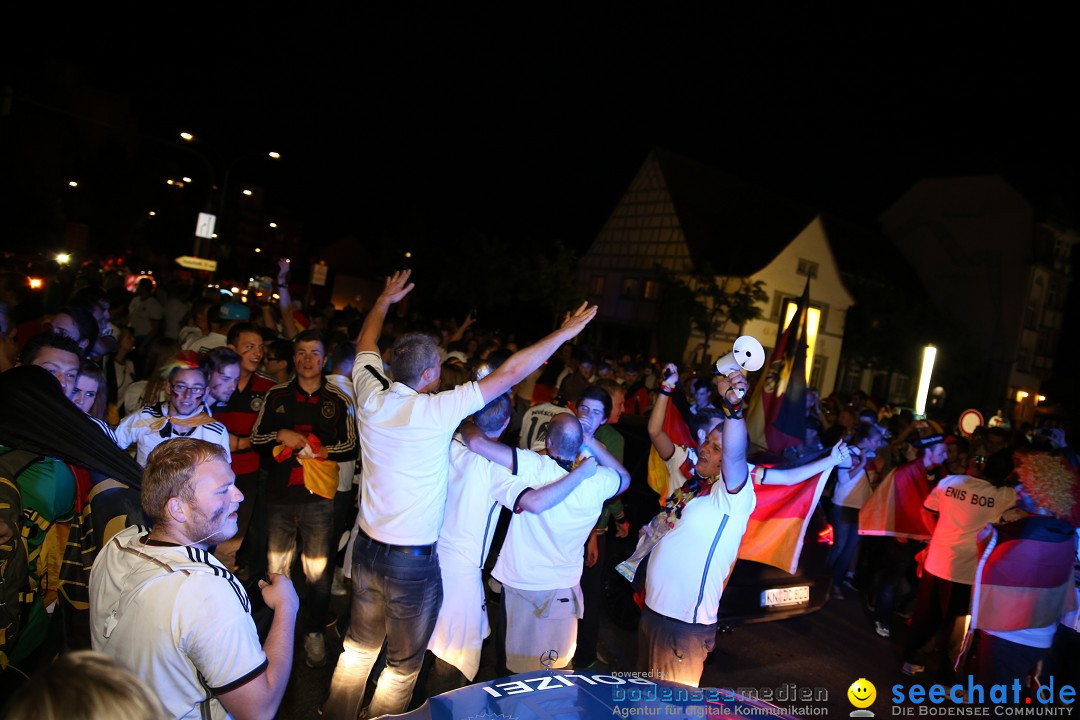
x=785 y=278
x=970 y=241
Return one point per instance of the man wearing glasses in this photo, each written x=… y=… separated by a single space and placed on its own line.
x=182 y=415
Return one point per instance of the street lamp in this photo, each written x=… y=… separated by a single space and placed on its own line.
x=929 y=355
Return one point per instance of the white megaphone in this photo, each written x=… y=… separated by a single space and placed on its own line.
x=746 y=355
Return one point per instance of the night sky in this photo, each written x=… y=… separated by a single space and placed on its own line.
x=530 y=125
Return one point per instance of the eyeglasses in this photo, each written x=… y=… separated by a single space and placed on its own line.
x=194 y=390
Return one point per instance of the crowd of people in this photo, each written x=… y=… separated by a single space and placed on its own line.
x=193 y=447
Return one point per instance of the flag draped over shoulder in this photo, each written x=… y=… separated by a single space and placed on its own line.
x=774 y=533
x=677 y=427
x=1025 y=576
x=776 y=417
x=895 y=507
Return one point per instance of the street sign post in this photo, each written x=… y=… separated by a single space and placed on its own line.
x=204 y=226
x=195 y=263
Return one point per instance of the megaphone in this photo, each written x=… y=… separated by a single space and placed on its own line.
x=746 y=355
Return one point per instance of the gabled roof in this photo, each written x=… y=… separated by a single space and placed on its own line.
x=735 y=226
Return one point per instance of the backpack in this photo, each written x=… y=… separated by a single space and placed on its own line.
x=21 y=592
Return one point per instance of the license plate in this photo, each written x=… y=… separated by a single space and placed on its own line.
x=778 y=597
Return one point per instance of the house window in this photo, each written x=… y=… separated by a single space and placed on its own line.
x=807 y=268
x=652 y=290
x=631 y=287
x=1052 y=295
x=817 y=372
x=596 y=285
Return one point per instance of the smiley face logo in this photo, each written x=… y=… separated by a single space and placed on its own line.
x=862 y=693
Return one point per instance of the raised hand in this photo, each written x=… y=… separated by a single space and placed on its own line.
x=732 y=387
x=397 y=286
x=577 y=320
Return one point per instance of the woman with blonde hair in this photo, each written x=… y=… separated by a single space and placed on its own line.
x=84 y=685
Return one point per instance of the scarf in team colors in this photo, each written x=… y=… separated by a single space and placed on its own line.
x=774 y=533
x=1025 y=575
x=894 y=509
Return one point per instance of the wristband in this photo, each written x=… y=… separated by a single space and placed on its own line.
x=732 y=410
x=666 y=389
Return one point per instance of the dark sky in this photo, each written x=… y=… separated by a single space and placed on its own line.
x=530 y=124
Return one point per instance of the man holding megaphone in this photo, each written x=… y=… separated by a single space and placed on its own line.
x=710 y=496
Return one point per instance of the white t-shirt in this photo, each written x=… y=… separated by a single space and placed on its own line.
x=688 y=567
x=534 y=425
x=476 y=489
x=205 y=344
x=142 y=313
x=545 y=551
x=964 y=506
x=405 y=452
x=175 y=617
x=851 y=491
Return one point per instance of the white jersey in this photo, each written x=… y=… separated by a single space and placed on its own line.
x=545 y=551
x=534 y=424
x=174 y=616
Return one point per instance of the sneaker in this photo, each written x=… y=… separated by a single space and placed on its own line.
x=911 y=669
x=881 y=629
x=315 y=649
x=837 y=592
x=340 y=588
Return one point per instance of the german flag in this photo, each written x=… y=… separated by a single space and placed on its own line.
x=1025 y=576
x=677 y=427
x=776 y=415
x=895 y=508
x=774 y=533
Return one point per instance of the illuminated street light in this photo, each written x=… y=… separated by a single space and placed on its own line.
x=36 y=283
x=247 y=193
x=72 y=183
x=813 y=321
x=186 y=179
x=187 y=136
x=63 y=258
x=408 y=254
x=259 y=250
x=928 y=357
x=152 y=213
x=273 y=225
x=274 y=154
x=1040 y=398
x=1021 y=395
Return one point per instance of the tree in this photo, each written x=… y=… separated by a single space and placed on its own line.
x=549 y=279
x=712 y=302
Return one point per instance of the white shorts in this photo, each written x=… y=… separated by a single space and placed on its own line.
x=541 y=627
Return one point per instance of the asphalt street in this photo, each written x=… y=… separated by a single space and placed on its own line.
x=822 y=653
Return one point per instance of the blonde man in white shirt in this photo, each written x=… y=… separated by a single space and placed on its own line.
x=405 y=432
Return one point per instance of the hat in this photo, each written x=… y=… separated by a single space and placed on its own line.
x=457 y=355
x=183 y=360
x=234 y=310
x=1052 y=483
x=928 y=441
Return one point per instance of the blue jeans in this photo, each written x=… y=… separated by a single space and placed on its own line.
x=396 y=598
x=845 y=524
x=315 y=521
